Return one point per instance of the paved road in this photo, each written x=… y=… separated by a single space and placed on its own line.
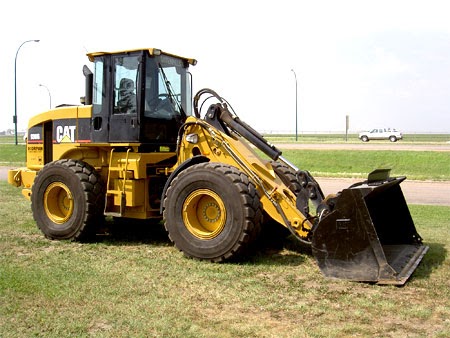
x=415 y=192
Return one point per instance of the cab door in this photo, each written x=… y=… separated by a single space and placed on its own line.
x=100 y=103
x=124 y=120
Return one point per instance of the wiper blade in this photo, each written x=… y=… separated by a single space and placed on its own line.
x=169 y=90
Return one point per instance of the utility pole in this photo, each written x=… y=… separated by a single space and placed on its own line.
x=49 y=96
x=15 y=87
x=296 y=113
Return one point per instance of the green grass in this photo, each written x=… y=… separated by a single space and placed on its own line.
x=11 y=154
x=136 y=284
x=424 y=165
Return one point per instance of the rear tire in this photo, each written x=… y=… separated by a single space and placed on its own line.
x=287 y=175
x=273 y=234
x=393 y=138
x=67 y=200
x=273 y=230
x=212 y=211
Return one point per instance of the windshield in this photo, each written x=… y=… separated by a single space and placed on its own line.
x=167 y=88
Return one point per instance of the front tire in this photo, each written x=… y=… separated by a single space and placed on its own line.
x=364 y=138
x=67 y=200
x=212 y=212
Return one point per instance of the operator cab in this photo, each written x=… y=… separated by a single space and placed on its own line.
x=139 y=96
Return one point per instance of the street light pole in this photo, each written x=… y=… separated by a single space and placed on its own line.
x=296 y=133
x=49 y=96
x=15 y=87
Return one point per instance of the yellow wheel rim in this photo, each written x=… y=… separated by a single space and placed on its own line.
x=204 y=214
x=58 y=202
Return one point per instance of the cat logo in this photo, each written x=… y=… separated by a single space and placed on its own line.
x=65 y=134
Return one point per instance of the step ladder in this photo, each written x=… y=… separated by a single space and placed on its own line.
x=111 y=209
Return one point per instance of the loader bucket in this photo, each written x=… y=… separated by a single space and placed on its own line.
x=369 y=236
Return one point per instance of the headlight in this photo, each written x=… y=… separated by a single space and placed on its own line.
x=192 y=138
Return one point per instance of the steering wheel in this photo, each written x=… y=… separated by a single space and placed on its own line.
x=157 y=101
x=164 y=104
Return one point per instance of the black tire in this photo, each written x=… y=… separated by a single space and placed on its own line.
x=67 y=200
x=212 y=211
x=364 y=138
x=287 y=176
x=393 y=138
x=273 y=231
x=273 y=234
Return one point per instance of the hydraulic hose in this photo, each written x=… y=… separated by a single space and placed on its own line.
x=234 y=123
x=249 y=133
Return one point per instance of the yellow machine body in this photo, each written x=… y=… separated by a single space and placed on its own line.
x=135 y=150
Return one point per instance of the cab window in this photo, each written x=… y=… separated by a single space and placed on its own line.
x=98 y=90
x=125 y=79
x=167 y=90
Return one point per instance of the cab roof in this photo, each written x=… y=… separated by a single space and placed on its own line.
x=151 y=51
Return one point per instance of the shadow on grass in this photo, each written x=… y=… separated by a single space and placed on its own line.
x=272 y=248
x=132 y=231
x=275 y=258
x=432 y=260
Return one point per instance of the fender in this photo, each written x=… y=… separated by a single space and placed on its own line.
x=186 y=164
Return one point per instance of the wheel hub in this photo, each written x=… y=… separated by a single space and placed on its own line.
x=204 y=214
x=211 y=212
x=58 y=202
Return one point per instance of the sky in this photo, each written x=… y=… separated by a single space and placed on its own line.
x=381 y=63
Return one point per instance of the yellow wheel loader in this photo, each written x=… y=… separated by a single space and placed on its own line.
x=141 y=147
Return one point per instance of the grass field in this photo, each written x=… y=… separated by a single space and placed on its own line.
x=12 y=155
x=136 y=284
x=426 y=165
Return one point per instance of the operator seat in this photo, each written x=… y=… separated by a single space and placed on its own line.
x=126 y=102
